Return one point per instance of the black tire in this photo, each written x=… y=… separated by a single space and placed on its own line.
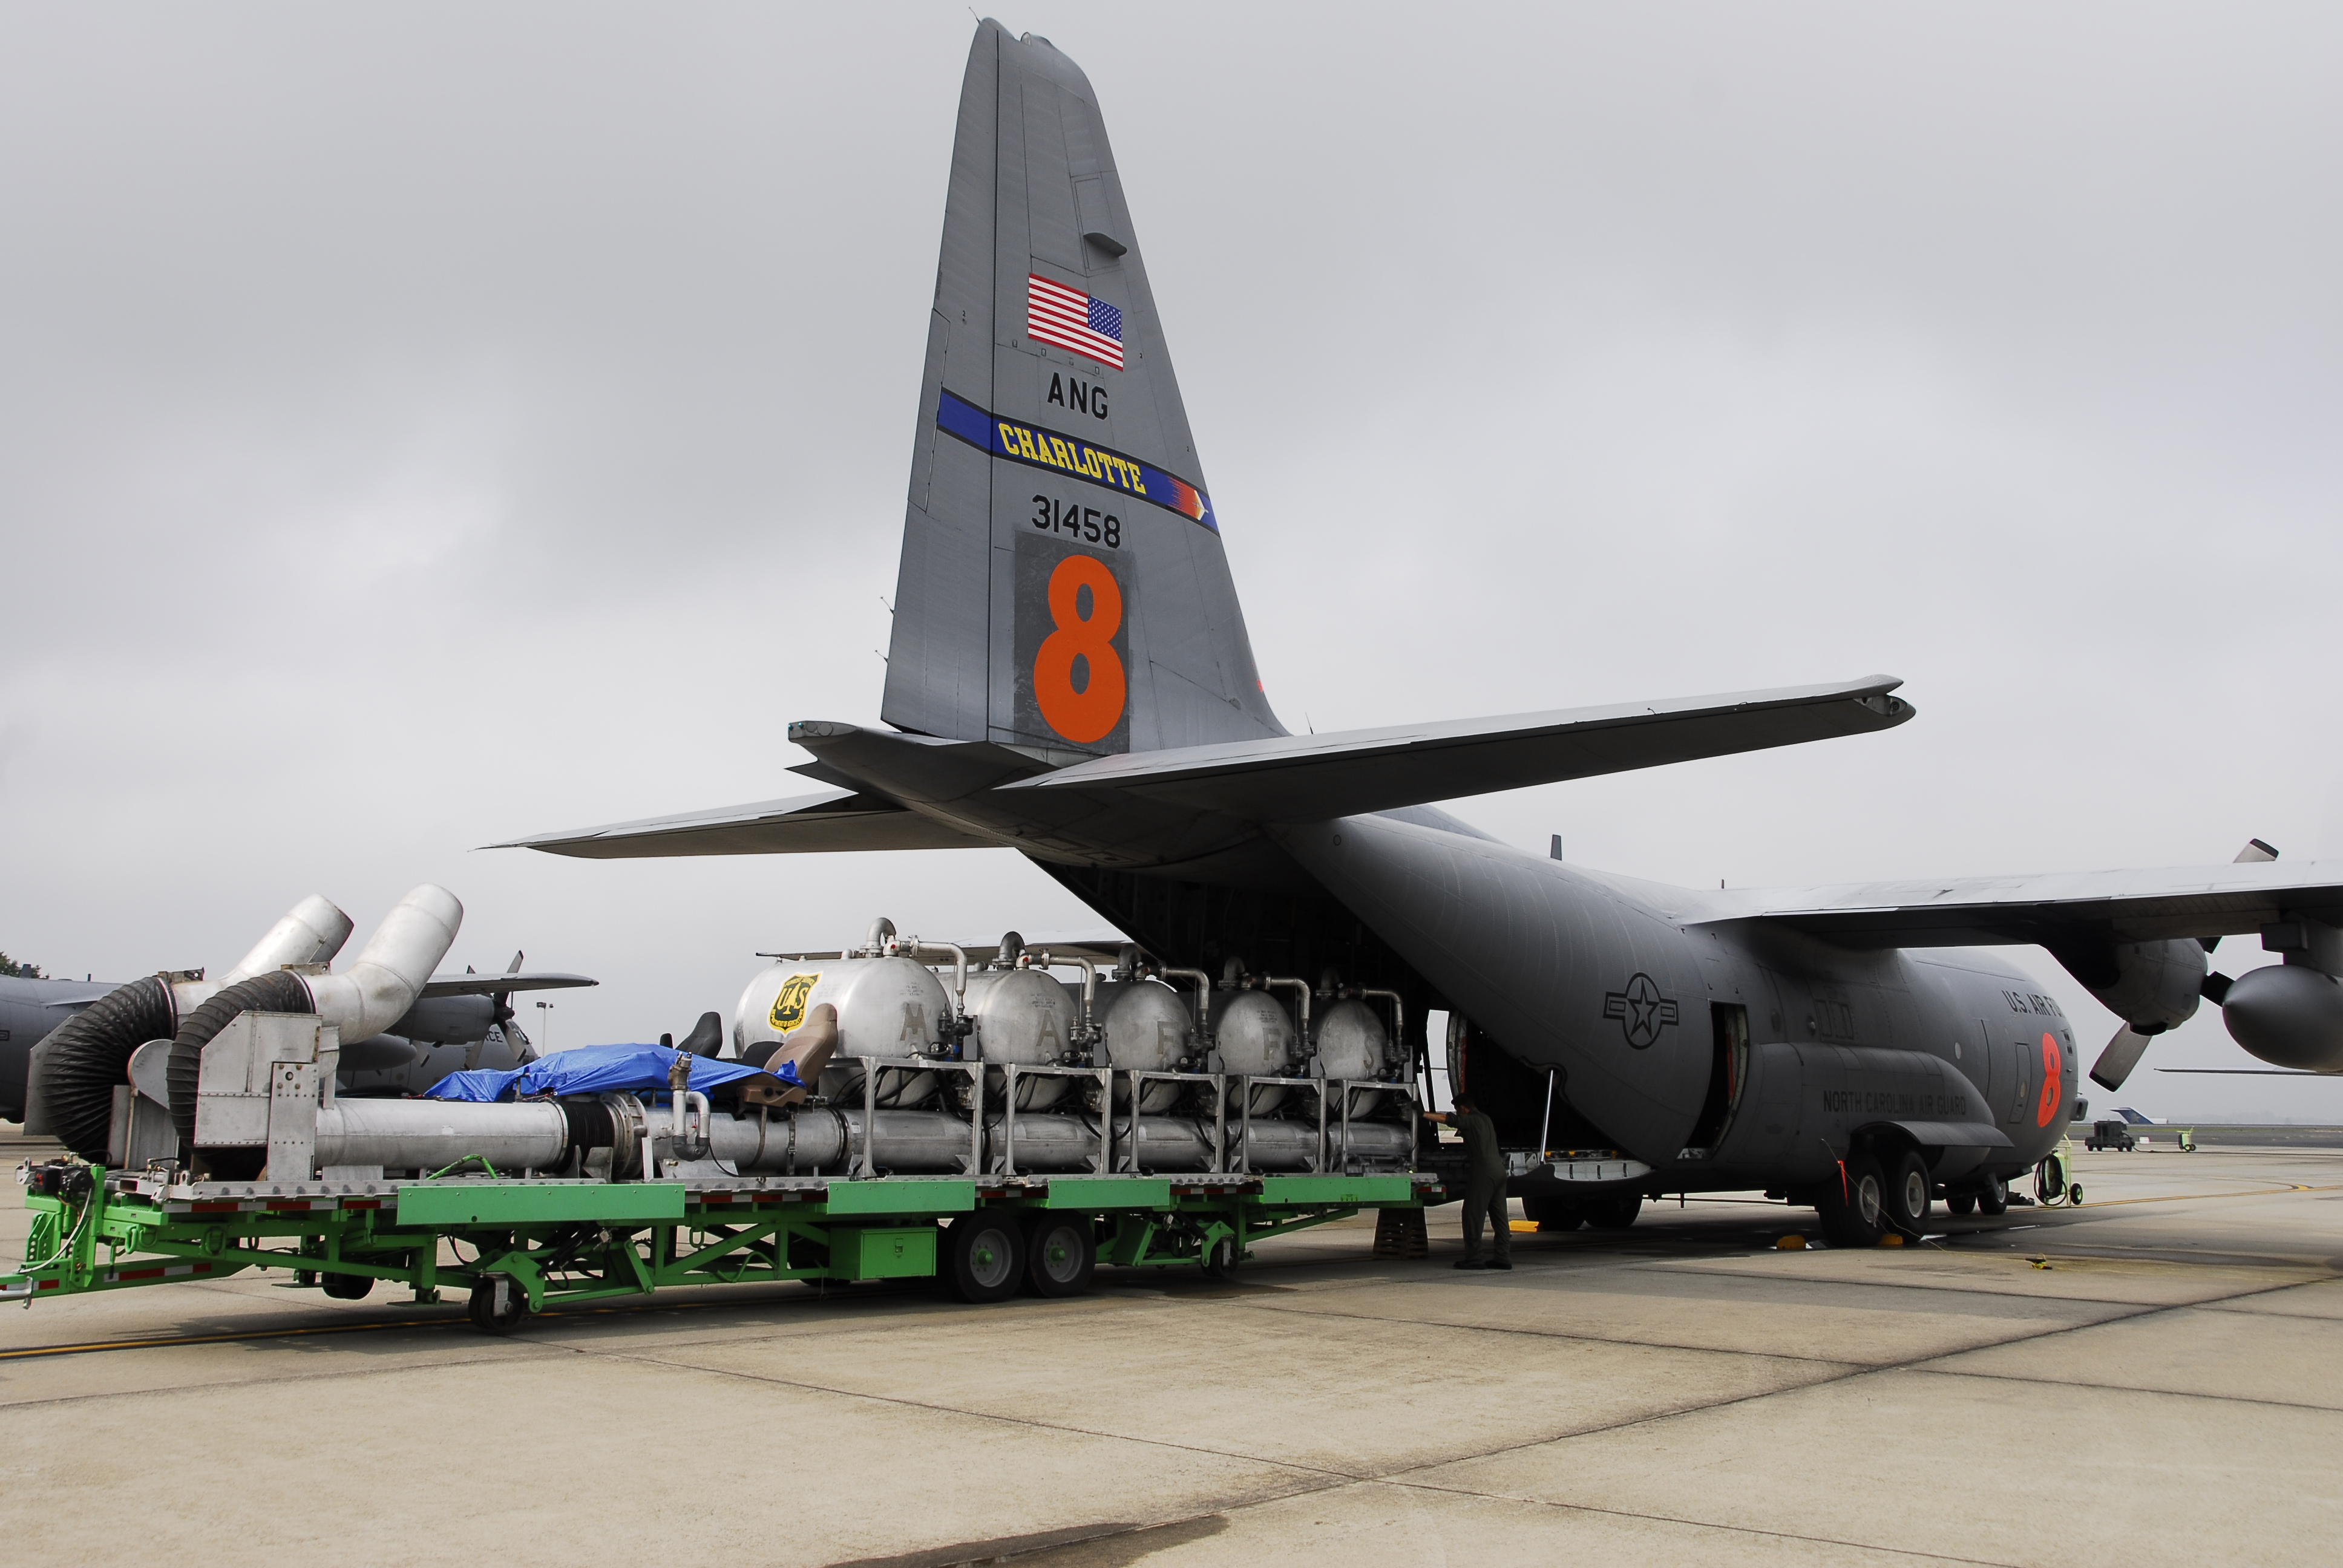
x=984 y=1257
x=1994 y=1197
x=1060 y=1254
x=1615 y=1214
x=1222 y=1258
x=1563 y=1214
x=1961 y=1204
x=350 y=1287
x=1851 y=1211
x=481 y=1307
x=2091 y=1145
x=1907 y=1199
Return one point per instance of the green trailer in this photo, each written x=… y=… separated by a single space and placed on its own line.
x=517 y=1247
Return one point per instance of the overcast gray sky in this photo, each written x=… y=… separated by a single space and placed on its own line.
x=427 y=423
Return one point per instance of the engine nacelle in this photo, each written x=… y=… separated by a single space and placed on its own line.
x=2289 y=1015
x=2151 y=986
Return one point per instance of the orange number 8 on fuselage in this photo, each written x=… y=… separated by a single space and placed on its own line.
x=1091 y=713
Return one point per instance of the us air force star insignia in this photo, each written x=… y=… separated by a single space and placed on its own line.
x=1641 y=1010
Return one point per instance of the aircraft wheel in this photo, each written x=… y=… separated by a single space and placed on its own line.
x=1615 y=1214
x=1555 y=1213
x=1961 y=1204
x=1060 y=1254
x=1907 y=1194
x=1851 y=1211
x=1994 y=1199
x=984 y=1257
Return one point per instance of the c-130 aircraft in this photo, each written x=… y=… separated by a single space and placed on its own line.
x=1070 y=676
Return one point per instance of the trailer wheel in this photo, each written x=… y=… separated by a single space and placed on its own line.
x=985 y=1257
x=1221 y=1259
x=348 y=1287
x=482 y=1307
x=1060 y=1254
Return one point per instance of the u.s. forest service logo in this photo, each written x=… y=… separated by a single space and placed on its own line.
x=1641 y=1009
x=789 y=1007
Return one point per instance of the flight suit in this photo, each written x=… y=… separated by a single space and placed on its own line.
x=1484 y=1183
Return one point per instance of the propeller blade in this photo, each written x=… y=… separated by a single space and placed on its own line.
x=513 y=968
x=2122 y=1054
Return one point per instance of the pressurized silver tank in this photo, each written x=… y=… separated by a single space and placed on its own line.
x=886 y=1007
x=1022 y=1015
x=1352 y=1043
x=1256 y=1037
x=1148 y=1029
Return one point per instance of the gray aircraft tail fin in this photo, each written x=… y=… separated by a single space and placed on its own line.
x=1064 y=584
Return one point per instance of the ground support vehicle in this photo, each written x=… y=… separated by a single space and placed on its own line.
x=516 y=1247
x=2110 y=1134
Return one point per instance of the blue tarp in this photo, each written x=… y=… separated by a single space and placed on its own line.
x=595 y=1070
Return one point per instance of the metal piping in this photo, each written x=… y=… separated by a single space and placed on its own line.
x=915 y=948
x=882 y=930
x=376 y=992
x=311 y=932
x=1090 y=981
x=1301 y=990
x=1203 y=1004
x=1399 y=1027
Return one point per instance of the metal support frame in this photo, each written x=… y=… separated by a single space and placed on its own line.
x=861 y=1165
x=1010 y=1070
x=1220 y=1082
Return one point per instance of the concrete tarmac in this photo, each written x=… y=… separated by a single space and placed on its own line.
x=2155 y=1377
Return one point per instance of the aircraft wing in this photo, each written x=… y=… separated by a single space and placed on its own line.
x=833 y=819
x=2123 y=906
x=493 y=985
x=1311 y=777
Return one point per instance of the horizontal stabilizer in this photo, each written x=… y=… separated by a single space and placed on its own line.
x=497 y=985
x=2250 y=1072
x=1311 y=778
x=834 y=819
x=77 y=1003
x=2123 y=906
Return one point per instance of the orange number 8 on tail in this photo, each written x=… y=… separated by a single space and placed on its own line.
x=1093 y=712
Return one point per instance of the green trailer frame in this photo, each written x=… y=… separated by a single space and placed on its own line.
x=558 y=1242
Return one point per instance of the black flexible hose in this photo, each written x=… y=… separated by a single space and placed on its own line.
x=89 y=1054
x=275 y=992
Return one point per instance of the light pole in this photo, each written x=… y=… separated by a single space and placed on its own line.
x=545 y=1026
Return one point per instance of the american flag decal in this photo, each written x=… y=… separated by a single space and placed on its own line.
x=1071 y=319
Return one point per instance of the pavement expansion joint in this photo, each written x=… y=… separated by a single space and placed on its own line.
x=2132 y=1390
x=940 y=1408
x=1687 y=1521
x=1571 y=1335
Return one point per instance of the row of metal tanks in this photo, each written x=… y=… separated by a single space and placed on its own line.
x=1257 y=1065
